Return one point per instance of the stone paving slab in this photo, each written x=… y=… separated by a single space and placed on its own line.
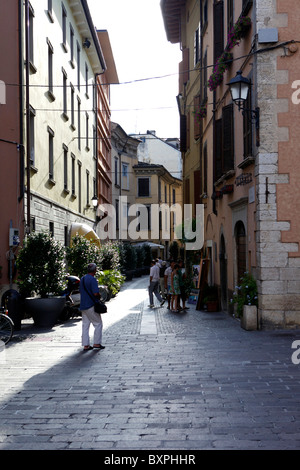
x=187 y=381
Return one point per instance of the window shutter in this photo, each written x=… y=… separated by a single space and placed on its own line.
x=197 y=120
x=228 y=138
x=197 y=186
x=247 y=4
x=186 y=191
x=218 y=29
x=183 y=133
x=218 y=149
x=205 y=168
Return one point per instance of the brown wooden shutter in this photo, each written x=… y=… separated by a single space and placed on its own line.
x=218 y=29
x=205 y=168
x=228 y=138
x=197 y=186
x=218 y=149
x=197 y=120
x=183 y=133
x=186 y=191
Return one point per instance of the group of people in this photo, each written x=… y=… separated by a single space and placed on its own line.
x=167 y=282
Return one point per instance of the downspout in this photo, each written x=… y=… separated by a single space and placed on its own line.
x=21 y=101
x=201 y=88
x=27 y=116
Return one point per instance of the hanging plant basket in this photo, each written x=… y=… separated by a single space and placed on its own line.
x=201 y=113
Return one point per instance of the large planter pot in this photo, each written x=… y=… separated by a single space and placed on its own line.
x=212 y=305
x=249 y=318
x=45 y=312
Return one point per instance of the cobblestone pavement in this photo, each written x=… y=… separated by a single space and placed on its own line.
x=187 y=381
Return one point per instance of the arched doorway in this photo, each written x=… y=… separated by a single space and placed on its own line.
x=241 y=249
x=223 y=273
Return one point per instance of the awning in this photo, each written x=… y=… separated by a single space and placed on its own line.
x=86 y=231
x=152 y=245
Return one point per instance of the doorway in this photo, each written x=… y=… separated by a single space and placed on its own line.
x=241 y=249
x=223 y=273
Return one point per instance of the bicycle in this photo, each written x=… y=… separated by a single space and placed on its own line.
x=6 y=326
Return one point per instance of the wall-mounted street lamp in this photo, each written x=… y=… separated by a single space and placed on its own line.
x=95 y=202
x=239 y=89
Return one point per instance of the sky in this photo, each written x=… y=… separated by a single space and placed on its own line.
x=141 y=51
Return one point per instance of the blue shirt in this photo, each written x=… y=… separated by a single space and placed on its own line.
x=91 y=285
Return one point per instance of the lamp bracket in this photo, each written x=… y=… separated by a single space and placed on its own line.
x=254 y=114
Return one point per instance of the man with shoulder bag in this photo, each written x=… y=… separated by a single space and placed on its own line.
x=89 y=296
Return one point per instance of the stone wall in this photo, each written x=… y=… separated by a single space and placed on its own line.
x=278 y=271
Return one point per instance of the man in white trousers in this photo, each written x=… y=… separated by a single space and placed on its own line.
x=154 y=283
x=89 y=291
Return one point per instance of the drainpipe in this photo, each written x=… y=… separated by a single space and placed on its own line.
x=21 y=100
x=27 y=116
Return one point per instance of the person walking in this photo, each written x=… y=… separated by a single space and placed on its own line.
x=88 y=290
x=175 y=289
x=168 y=282
x=154 y=283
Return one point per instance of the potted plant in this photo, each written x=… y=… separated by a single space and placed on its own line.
x=211 y=298
x=41 y=279
x=246 y=299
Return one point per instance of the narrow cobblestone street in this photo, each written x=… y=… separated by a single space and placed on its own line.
x=187 y=381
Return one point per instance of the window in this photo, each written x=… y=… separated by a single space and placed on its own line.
x=73 y=174
x=78 y=121
x=143 y=187
x=224 y=142
x=247 y=128
x=32 y=135
x=205 y=15
x=65 y=150
x=116 y=170
x=247 y=4
x=51 y=228
x=125 y=176
x=31 y=38
x=197 y=119
x=94 y=142
x=87 y=118
x=50 y=7
x=65 y=96
x=79 y=186
x=204 y=78
x=50 y=70
x=66 y=238
x=230 y=13
x=51 y=154
x=78 y=66
x=86 y=80
x=197 y=45
x=72 y=45
x=72 y=106
x=64 y=27
x=87 y=188
x=228 y=138
x=218 y=29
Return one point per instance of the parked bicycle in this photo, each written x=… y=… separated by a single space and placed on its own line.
x=6 y=326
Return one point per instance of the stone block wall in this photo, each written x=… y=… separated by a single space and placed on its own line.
x=278 y=260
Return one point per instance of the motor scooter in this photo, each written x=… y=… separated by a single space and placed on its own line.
x=72 y=306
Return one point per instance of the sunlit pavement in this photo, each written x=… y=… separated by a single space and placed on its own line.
x=186 y=381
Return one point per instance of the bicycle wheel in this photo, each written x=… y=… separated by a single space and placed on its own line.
x=6 y=328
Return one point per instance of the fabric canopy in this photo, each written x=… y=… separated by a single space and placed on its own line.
x=86 y=231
